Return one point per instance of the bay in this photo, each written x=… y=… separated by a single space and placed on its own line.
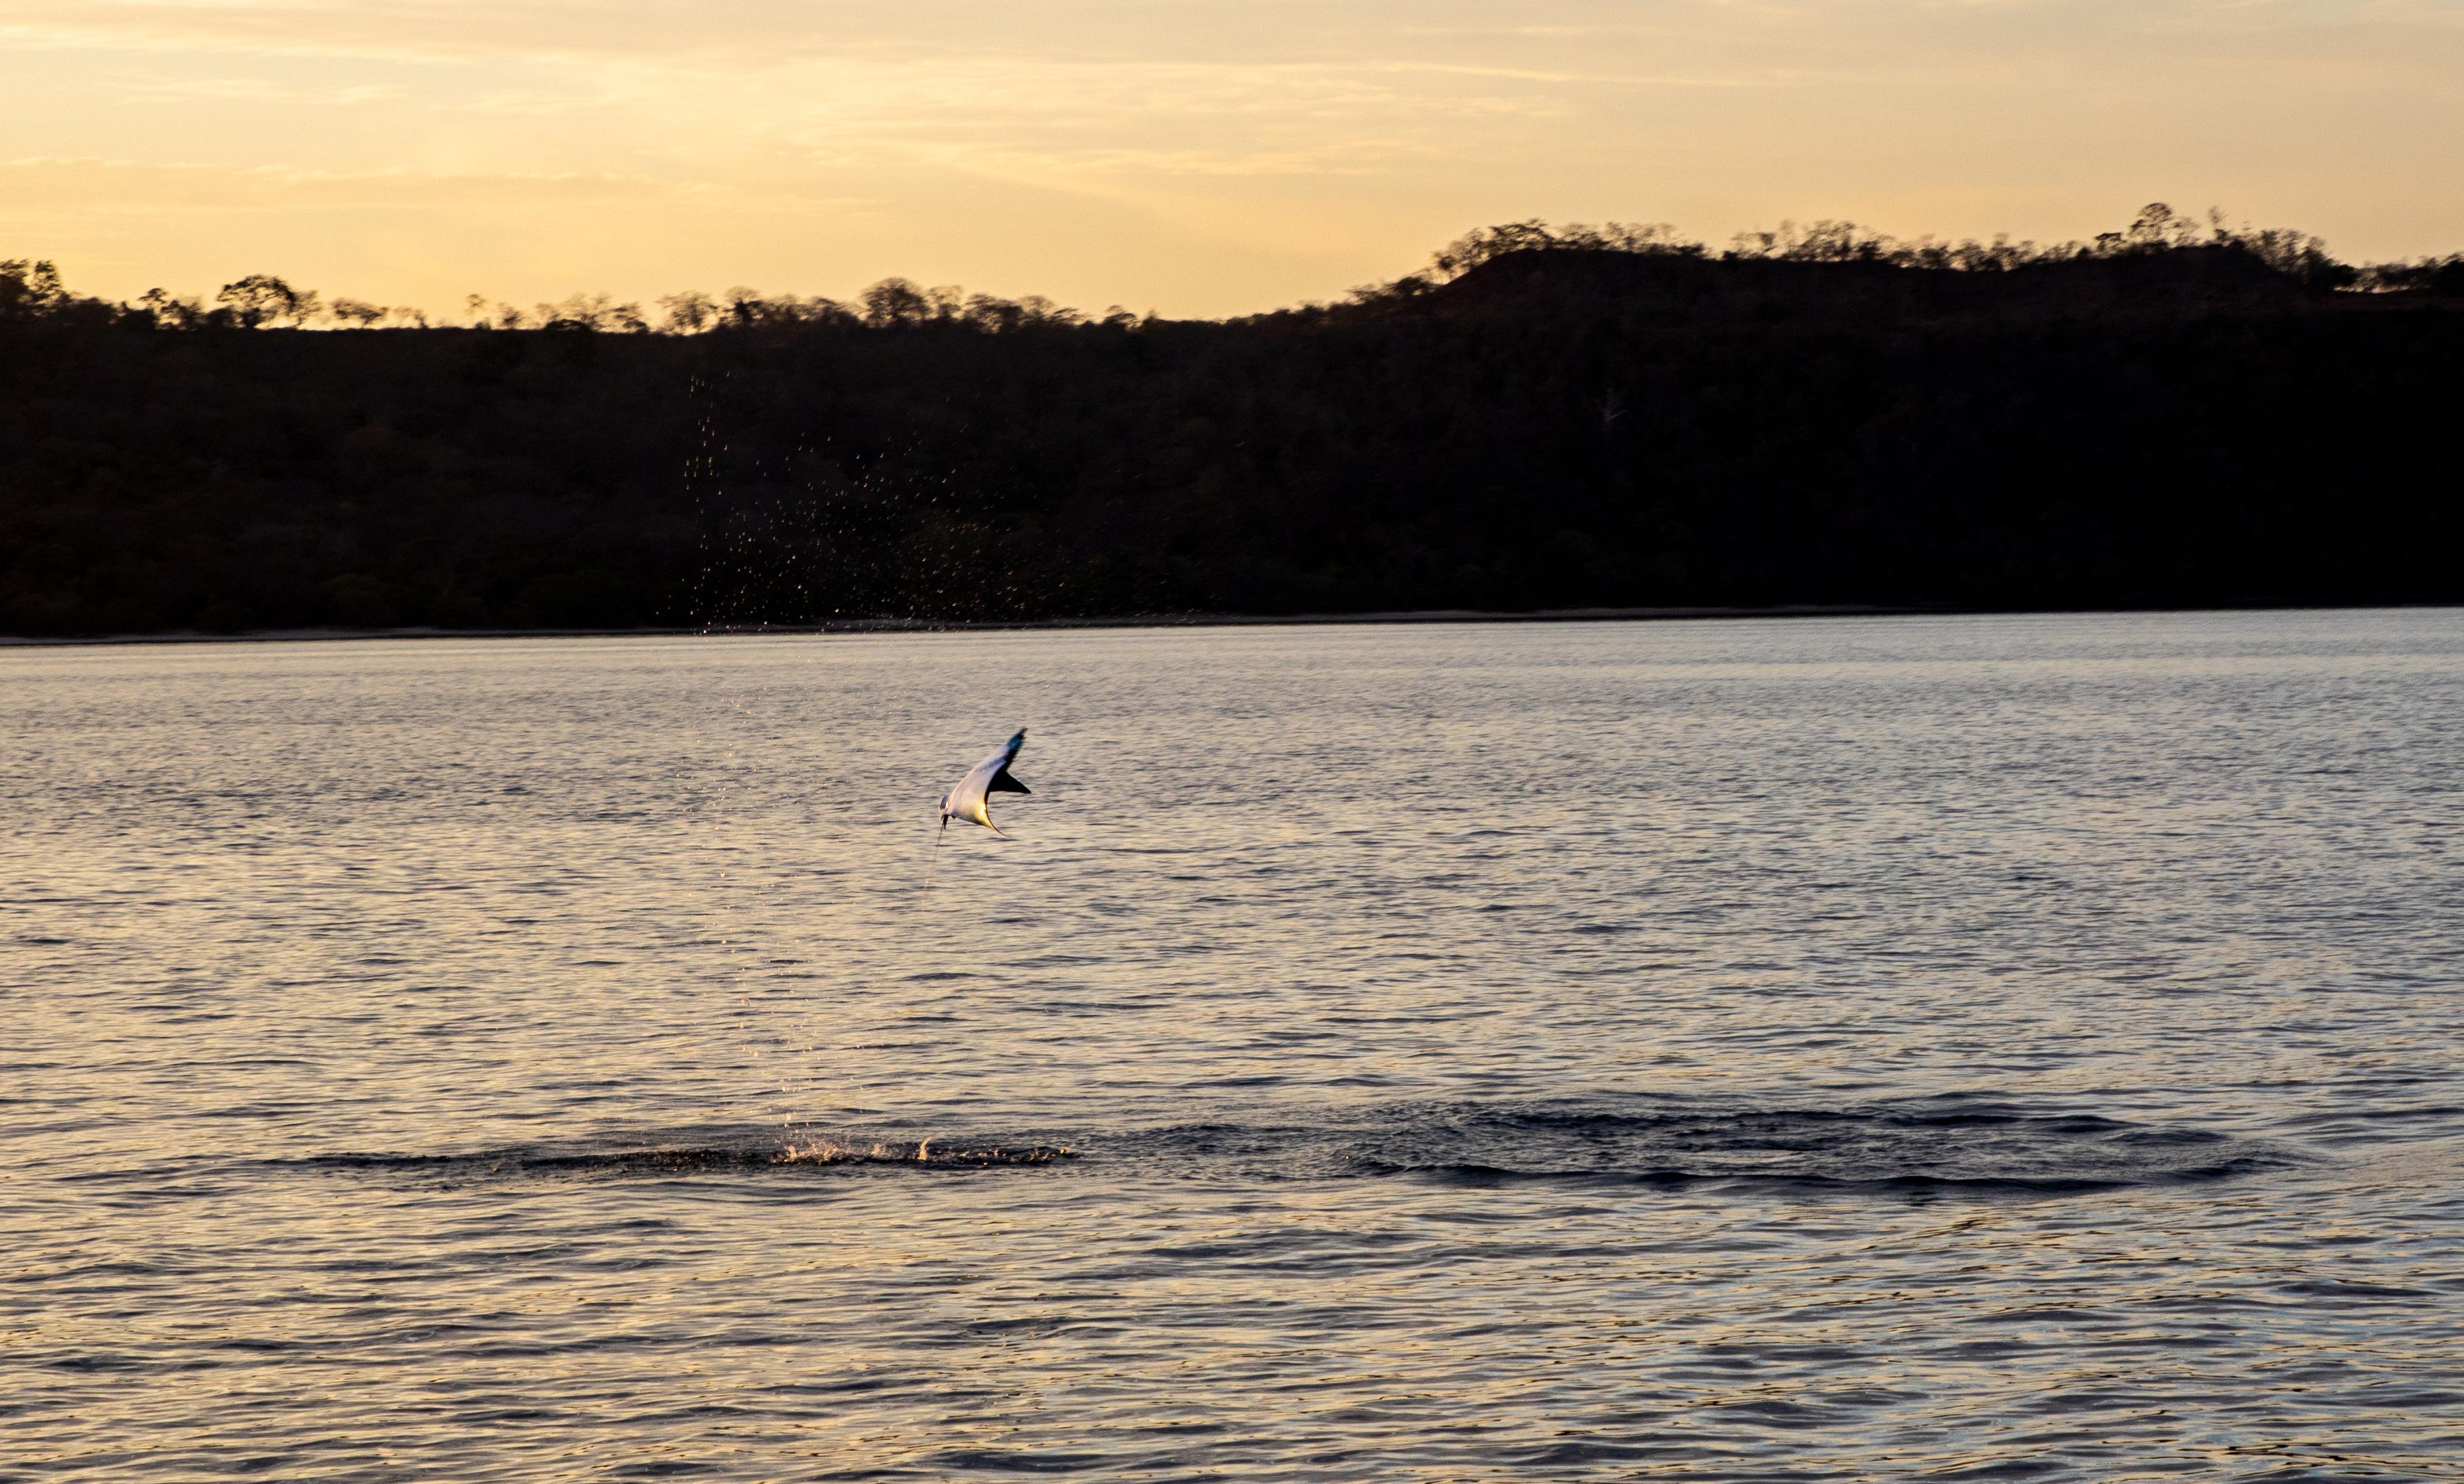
x=1839 y=1048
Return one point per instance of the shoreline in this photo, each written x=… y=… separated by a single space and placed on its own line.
x=1163 y=620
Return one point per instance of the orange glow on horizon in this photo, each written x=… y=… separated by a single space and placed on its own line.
x=1189 y=160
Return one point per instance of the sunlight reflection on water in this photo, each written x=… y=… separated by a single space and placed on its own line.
x=1762 y=1049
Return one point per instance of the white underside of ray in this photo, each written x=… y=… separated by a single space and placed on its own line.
x=968 y=799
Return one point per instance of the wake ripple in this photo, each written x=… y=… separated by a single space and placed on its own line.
x=1942 y=1144
x=1948 y=1144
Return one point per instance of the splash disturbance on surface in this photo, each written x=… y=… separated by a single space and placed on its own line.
x=1951 y=1145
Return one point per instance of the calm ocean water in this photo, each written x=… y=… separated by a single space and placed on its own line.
x=2023 y=1047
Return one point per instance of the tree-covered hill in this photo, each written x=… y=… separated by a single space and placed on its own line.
x=1547 y=419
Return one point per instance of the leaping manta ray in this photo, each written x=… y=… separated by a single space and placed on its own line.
x=966 y=800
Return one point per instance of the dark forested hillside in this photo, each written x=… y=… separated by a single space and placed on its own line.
x=1555 y=425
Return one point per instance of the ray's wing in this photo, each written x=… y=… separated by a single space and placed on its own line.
x=967 y=799
x=967 y=795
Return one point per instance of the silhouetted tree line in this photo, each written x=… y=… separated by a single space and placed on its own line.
x=2158 y=228
x=2177 y=413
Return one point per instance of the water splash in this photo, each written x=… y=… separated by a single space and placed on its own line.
x=830 y=1151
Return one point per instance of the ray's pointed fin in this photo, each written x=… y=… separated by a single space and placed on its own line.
x=1004 y=783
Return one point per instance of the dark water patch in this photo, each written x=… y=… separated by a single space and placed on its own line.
x=1929 y=1146
x=98 y=1362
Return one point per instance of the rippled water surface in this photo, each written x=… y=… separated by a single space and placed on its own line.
x=2016 y=1047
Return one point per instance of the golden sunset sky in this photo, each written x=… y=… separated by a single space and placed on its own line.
x=1186 y=156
